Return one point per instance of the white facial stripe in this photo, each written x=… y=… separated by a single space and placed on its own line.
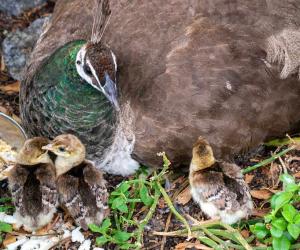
x=79 y=67
x=115 y=60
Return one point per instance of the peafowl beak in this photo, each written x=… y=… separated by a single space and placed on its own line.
x=110 y=91
x=48 y=147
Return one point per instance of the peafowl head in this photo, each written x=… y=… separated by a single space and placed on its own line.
x=95 y=61
x=32 y=153
x=202 y=155
x=69 y=150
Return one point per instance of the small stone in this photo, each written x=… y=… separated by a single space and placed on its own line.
x=18 y=45
x=16 y=7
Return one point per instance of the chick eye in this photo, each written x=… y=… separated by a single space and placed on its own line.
x=61 y=149
x=78 y=62
x=87 y=70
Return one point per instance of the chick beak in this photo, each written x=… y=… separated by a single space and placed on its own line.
x=110 y=91
x=48 y=147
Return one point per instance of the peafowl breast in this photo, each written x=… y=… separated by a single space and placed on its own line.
x=226 y=70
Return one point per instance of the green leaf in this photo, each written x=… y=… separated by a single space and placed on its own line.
x=281 y=243
x=118 y=202
x=121 y=236
x=282 y=199
x=287 y=179
x=4 y=200
x=127 y=246
x=115 y=193
x=269 y=218
x=123 y=208
x=291 y=187
x=101 y=240
x=279 y=223
x=94 y=228
x=105 y=225
x=6 y=208
x=4 y=227
x=275 y=232
x=260 y=230
x=289 y=212
x=294 y=230
x=273 y=199
x=124 y=187
x=146 y=199
x=297 y=219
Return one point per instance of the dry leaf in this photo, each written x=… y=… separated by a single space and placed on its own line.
x=260 y=212
x=184 y=197
x=13 y=87
x=297 y=175
x=17 y=118
x=2 y=68
x=248 y=178
x=191 y=245
x=261 y=194
x=4 y=110
x=9 y=239
x=245 y=233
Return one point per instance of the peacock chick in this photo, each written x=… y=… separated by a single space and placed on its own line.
x=218 y=187
x=32 y=182
x=81 y=186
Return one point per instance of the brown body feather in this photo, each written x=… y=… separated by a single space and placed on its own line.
x=34 y=194
x=191 y=68
x=82 y=191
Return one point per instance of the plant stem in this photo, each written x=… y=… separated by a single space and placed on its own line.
x=237 y=235
x=173 y=210
x=184 y=231
x=208 y=242
x=144 y=222
x=212 y=236
x=267 y=161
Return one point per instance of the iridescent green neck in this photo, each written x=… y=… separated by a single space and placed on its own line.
x=70 y=104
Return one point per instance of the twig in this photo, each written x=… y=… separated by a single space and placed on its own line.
x=267 y=161
x=184 y=231
x=60 y=242
x=174 y=211
x=164 y=239
x=149 y=215
x=34 y=235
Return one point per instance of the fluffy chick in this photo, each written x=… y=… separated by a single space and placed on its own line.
x=33 y=186
x=80 y=184
x=218 y=187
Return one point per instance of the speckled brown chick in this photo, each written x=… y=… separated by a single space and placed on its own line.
x=32 y=185
x=218 y=187
x=81 y=186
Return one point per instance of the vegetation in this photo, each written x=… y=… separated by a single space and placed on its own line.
x=122 y=228
x=281 y=226
x=5 y=227
x=139 y=197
